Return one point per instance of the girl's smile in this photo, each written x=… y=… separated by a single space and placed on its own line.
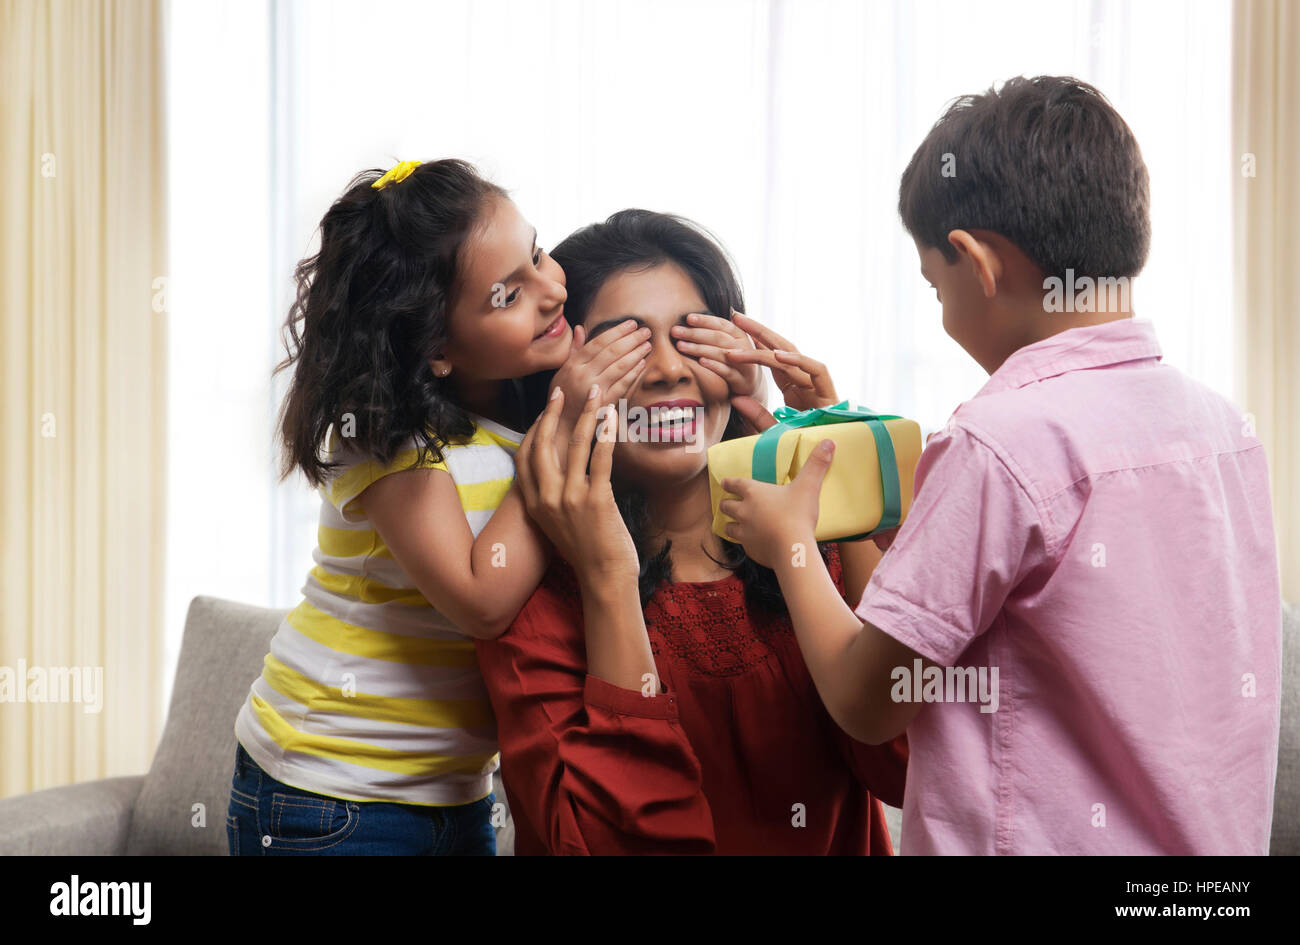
x=555 y=329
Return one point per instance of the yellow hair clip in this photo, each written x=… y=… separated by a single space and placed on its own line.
x=399 y=172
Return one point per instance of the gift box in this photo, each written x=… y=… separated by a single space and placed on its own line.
x=868 y=488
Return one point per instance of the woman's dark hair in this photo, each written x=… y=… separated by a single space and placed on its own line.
x=634 y=240
x=1047 y=163
x=371 y=310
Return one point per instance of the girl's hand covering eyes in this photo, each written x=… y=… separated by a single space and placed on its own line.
x=614 y=360
x=709 y=338
x=575 y=505
x=803 y=382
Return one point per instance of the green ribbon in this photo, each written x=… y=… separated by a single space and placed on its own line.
x=764 y=459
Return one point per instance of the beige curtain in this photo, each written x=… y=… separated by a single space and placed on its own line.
x=82 y=388
x=1266 y=139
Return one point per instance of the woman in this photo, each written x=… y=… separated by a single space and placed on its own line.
x=651 y=697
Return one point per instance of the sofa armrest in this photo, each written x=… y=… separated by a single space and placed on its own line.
x=88 y=819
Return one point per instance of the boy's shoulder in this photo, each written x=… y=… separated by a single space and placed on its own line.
x=1060 y=435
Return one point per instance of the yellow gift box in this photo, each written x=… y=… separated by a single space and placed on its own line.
x=868 y=488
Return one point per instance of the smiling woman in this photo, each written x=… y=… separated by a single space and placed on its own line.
x=650 y=697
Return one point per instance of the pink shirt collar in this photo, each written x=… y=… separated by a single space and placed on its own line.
x=1092 y=346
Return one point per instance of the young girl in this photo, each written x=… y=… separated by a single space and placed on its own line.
x=369 y=730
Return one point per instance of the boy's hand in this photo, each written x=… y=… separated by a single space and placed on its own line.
x=709 y=338
x=770 y=520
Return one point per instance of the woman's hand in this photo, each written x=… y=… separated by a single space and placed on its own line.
x=574 y=506
x=613 y=361
x=803 y=382
x=709 y=338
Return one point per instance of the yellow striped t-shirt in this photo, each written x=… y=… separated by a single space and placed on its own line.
x=369 y=693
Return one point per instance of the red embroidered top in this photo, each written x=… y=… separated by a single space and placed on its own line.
x=739 y=756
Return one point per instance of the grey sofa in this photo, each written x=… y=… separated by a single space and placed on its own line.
x=221 y=654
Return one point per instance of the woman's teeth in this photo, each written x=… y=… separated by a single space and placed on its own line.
x=670 y=424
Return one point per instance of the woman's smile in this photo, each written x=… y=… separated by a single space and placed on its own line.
x=666 y=421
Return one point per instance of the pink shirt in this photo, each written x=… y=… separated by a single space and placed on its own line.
x=1096 y=527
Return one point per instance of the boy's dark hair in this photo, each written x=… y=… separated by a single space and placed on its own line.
x=371 y=310
x=633 y=240
x=1047 y=163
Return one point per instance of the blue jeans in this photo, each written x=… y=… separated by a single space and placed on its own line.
x=270 y=818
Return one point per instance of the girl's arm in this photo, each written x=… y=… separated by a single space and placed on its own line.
x=479 y=584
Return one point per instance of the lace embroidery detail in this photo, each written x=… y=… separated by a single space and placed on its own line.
x=710 y=629
x=707 y=628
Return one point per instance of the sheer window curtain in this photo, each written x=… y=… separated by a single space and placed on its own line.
x=82 y=245
x=781 y=126
x=1266 y=145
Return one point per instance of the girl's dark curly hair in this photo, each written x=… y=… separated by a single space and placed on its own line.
x=640 y=239
x=371 y=310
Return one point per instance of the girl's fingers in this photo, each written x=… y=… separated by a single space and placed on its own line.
x=703 y=332
x=760 y=332
x=769 y=359
x=816 y=371
x=614 y=343
x=580 y=446
x=619 y=369
x=725 y=325
x=624 y=384
x=716 y=352
x=729 y=374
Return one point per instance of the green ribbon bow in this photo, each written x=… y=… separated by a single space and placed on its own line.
x=764 y=460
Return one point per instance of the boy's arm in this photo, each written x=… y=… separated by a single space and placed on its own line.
x=850 y=662
x=972 y=535
x=859 y=559
x=479 y=584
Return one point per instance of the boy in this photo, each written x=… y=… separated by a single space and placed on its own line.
x=1091 y=533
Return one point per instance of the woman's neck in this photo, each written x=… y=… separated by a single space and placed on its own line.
x=683 y=515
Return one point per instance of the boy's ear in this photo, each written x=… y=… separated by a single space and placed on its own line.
x=987 y=264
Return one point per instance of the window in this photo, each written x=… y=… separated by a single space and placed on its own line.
x=781 y=127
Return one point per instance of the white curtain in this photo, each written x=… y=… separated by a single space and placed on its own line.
x=781 y=126
x=82 y=460
x=1266 y=166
